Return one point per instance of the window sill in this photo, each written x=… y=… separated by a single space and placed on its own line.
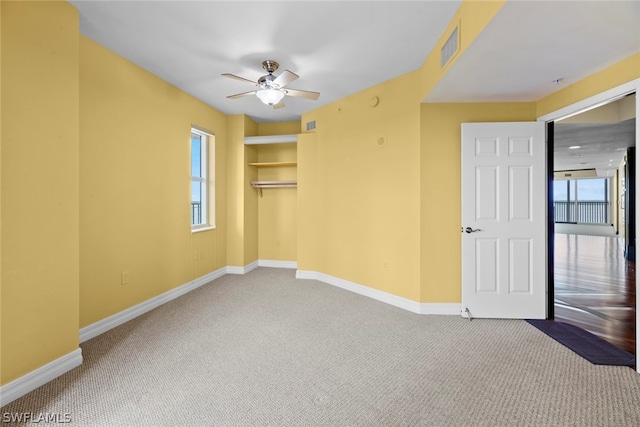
x=207 y=228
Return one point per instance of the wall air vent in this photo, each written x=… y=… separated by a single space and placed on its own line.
x=311 y=125
x=450 y=48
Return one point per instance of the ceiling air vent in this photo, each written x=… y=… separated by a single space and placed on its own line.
x=311 y=125
x=450 y=48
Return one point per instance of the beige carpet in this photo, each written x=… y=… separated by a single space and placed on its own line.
x=265 y=349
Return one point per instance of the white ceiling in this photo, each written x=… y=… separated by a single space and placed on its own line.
x=601 y=145
x=342 y=47
x=596 y=139
x=530 y=44
x=337 y=48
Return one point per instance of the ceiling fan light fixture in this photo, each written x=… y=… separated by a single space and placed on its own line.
x=270 y=89
x=270 y=96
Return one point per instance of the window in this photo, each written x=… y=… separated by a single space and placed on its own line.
x=582 y=201
x=201 y=203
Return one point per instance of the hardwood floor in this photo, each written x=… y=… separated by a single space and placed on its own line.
x=595 y=287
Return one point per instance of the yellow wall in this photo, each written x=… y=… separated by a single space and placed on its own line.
x=260 y=227
x=235 y=189
x=1 y=204
x=309 y=211
x=277 y=208
x=365 y=174
x=366 y=190
x=250 y=196
x=242 y=235
x=40 y=179
x=135 y=185
x=619 y=73
x=279 y=128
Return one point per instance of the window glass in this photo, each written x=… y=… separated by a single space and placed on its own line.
x=591 y=190
x=196 y=203
x=196 y=155
x=201 y=182
x=582 y=201
x=560 y=190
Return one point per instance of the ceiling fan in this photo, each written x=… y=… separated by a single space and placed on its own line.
x=271 y=88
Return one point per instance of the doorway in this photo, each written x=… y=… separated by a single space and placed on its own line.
x=592 y=237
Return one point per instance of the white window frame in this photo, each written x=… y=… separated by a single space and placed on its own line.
x=207 y=207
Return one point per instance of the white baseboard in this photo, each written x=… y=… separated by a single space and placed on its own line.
x=124 y=316
x=382 y=296
x=34 y=379
x=391 y=299
x=277 y=264
x=231 y=269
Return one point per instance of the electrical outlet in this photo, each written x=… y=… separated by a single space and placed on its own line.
x=385 y=265
x=124 y=278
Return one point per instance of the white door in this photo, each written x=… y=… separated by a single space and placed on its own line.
x=504 y=196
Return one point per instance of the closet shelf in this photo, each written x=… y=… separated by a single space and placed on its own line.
x=259 y=185
x=270 y=139
x=273 y=164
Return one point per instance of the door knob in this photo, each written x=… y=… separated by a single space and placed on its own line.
x=471 y=230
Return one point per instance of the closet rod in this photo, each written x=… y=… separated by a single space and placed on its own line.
x=259 y=185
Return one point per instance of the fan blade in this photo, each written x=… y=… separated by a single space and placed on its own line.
x=240 y=95
x=279 y=104
x=285 y=78
x=242 y=79
x=302 y=93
